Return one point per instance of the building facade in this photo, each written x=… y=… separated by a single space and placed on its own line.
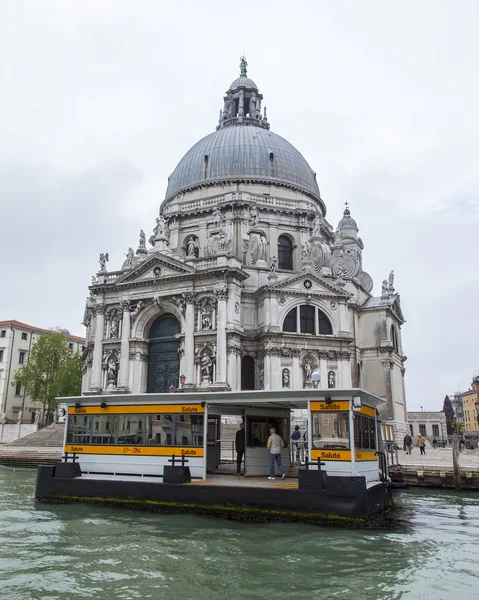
x=470 y=404
x=429 y=424
x=16 y=341
x=245 y=284
x=457 y=407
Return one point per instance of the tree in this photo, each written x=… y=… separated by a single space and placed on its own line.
x=52 y=371
x=449 y=414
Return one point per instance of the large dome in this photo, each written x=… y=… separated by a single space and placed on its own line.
x=243 y=152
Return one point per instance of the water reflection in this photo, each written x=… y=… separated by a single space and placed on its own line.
x=81 y=551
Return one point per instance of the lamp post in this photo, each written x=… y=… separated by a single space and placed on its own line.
x=315 y=378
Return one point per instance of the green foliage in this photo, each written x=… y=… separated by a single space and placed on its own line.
x=458 y=427
x=52 y=370
x=449 y=414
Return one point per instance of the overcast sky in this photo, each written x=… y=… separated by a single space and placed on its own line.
x=101 y=99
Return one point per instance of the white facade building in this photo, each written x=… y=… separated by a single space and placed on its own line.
x=430 y=424
x=16 y=341
x=245 y=284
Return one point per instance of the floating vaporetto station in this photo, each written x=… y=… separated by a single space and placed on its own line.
x=162 y=452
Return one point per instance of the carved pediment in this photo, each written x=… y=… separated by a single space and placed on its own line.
x=309 y=283
x=156 y=266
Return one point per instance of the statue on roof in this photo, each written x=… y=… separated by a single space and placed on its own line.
x=391 y=280
x=243 y=65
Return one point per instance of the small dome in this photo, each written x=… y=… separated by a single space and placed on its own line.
x=347 y=222
x=243 y=81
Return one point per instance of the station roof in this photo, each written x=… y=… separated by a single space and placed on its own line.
x=279 y=398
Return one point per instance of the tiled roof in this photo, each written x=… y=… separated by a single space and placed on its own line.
x=21 y=325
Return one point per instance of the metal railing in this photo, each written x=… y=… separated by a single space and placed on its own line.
x=298 y=452
x=226 y=451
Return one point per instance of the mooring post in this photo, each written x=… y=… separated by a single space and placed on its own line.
x=455 y=461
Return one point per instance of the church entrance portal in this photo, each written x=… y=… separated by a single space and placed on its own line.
x=247 y=373
x=163 y=359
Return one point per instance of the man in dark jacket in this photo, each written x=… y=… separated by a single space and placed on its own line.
x=240 y=446
x=295 y=439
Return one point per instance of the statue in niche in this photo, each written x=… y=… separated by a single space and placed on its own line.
x=104 y=258
x=261 y=377
x=206 y=319
x=331 y=379
x=253 y=216
x=286 y=378
x=206 y=368
x=112 y=371
x=130 y=255
x=142 y=242
x=114 y=327
x=274 y=264
x=316 y=226
x=217 y=217
x=308 y=371
x=192 y=248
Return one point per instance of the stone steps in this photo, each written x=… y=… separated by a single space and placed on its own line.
x=27 y=459
x=51 y=436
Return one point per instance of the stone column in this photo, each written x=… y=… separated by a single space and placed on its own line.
x=189 y=360
x=323 y=370
x=96 y=374
x=232 y=366
x=267 y=370
x=275 y=376
x=124 y=372
x=221 y=295
x=238 y=370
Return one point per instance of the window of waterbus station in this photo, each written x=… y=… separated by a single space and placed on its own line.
x=364 y=432
x=136 y=430
x=257 y=432
x=331 y=430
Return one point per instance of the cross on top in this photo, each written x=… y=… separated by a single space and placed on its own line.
x=346 y=204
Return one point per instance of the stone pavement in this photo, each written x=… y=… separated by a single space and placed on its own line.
x=439 y=459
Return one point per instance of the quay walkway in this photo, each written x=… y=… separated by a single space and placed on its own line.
x=435 y=468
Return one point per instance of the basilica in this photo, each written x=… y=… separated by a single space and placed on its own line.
x=243 y=283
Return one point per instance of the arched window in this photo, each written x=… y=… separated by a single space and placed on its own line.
x=311 y=320
x=394 y=338
x=285 y=253
x=290 y=322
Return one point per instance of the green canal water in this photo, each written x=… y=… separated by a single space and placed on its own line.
x=71 y=552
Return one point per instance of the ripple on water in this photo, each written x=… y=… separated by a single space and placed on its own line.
x=68 y=552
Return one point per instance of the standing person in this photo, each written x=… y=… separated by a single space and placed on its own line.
x=295 y=437
x=275 y=443
x=407 y=443
x=421 y=442
x=240 y=446
x=434 y=443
